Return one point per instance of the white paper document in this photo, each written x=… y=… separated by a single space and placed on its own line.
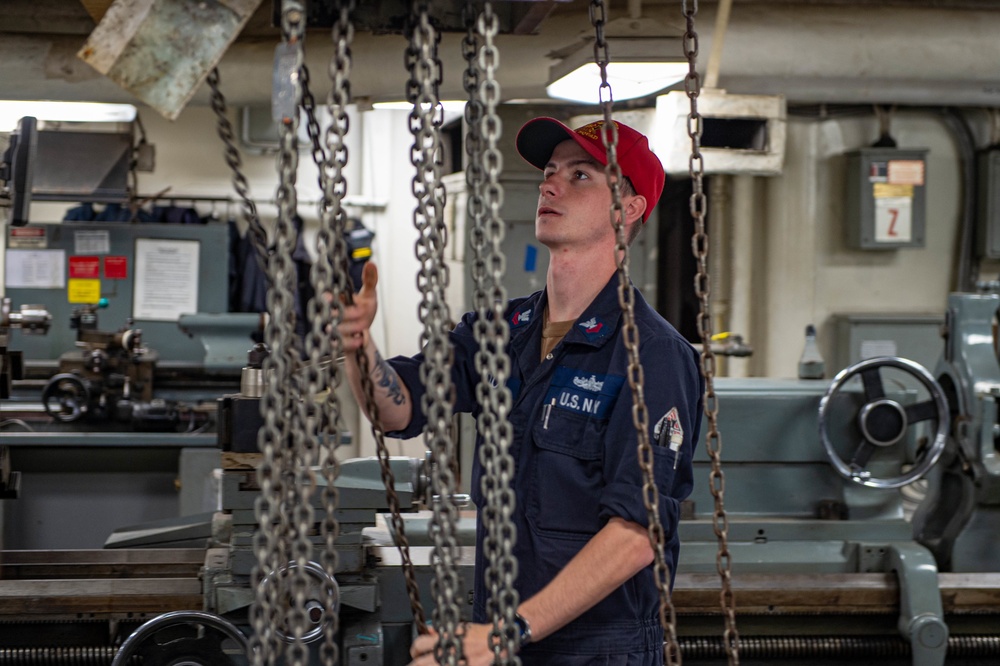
x=166 y=279
x=35 y=269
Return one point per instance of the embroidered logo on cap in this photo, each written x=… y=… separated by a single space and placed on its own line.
x=593 y=130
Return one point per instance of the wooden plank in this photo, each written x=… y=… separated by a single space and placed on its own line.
x=160 y=51
x=103 y=556
x=96 y=8
x=125 y=563
x=831 y=593
x=98 y=597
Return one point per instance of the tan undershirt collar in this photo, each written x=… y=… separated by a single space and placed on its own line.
x=553 y=332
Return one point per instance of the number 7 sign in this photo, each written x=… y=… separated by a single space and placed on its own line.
x=893 y=220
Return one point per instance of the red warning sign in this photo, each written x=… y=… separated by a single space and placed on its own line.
x=85 y=267
x=115 y=268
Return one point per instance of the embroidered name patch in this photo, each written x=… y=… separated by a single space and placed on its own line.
x=583 y=392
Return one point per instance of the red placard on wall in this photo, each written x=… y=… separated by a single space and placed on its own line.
x=85 y=267
x=115 y=268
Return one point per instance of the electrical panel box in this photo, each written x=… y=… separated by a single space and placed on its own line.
x=915 y=336
x=988 y=224
x=886 y=198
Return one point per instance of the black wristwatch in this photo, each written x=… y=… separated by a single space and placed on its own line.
x=523 y=629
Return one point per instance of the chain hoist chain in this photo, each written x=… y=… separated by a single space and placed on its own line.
x=432 y=280
x=630 y=333
x=713 y=438
x=298 y=505
x=491 y=329
x=312 y=124
x=258 y=236
x=284 y=507
x=329 y=275
x=331 y=161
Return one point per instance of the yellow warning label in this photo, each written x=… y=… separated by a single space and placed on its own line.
x=83 y=291
x=885 y=190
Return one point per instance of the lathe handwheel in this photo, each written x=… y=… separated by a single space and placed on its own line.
x=66 y=397
x=322 y=589
x=883 y=421
x=186 y=638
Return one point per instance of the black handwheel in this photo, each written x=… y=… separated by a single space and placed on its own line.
x=66 y=397
x=186 y=638
x=883 y=421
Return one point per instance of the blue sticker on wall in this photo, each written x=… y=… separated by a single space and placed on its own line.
x=530 y=259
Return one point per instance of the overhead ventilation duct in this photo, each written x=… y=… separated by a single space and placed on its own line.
x=740 y=134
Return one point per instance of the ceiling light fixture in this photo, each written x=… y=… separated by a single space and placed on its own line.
x=90 y=112
x=449 y=105
x=638 y=67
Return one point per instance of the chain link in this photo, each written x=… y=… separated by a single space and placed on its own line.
x=491 y=329
x=626 y=299
x=258 y=236
x=713 y=438
x=432 y=280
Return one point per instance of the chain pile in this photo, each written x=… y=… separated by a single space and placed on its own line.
x=491 y=330
x=425 y=120
x=713 y=438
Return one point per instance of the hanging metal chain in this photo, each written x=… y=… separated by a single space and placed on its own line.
x=258 y=236
x=284 y=511
x=626 y=299
x=491 y=330
x=432 y=280
x=312 y=124
x=302 y=425
x=398 y=526
x=331 y=161
x=329 y=275
x=713 y=438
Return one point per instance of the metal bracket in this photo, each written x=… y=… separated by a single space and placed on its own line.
x=921 y=617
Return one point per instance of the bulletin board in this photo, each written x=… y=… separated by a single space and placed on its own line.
x=150 y=272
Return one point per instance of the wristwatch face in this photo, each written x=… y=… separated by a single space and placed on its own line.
x=523 y=629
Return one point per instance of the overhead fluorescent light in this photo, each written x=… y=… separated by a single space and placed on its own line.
x=88 y=112
x=450 y=105
x=638 y=67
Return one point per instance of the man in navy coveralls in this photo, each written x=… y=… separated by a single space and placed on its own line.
x=586 y=584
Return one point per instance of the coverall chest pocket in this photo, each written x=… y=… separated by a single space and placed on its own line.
x=567 y=475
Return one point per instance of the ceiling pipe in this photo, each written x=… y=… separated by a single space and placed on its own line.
x=718 y=38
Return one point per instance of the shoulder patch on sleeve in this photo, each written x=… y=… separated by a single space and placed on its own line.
x=668 y=430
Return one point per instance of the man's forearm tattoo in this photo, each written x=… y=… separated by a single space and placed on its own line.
x=386 y=377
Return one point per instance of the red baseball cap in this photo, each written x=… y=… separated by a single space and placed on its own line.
x=540 y=136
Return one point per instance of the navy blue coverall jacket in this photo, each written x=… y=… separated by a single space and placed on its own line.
x=575 y=454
